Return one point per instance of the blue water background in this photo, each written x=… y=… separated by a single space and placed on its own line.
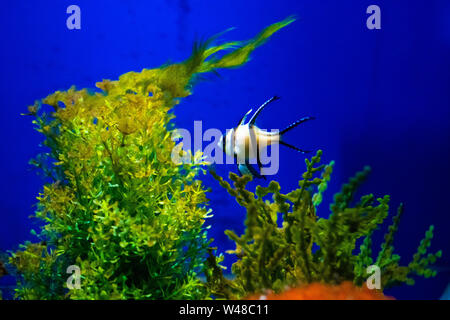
x=381 y=97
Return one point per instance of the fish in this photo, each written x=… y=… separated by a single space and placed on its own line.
x=246 y=140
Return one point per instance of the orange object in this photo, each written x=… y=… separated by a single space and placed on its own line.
x=320 y=291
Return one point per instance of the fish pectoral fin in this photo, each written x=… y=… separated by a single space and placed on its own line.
x=240 y=170
x=247 y=168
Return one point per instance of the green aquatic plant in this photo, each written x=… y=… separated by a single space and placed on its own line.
x=115 y=204
x=305 y=248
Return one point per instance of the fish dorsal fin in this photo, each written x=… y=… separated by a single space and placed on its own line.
x=244 y=117
x=255 y=115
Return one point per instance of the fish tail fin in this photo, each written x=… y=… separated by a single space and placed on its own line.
x=295 y=124
x=293 y=147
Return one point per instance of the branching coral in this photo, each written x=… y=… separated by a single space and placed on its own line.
x=116 y=204
x=308 y=249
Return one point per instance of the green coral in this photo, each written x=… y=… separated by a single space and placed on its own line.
x=307 y=248
x=115 y=204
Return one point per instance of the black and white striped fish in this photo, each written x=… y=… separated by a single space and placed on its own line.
x=245 y=142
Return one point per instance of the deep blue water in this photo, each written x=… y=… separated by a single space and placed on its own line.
x=381 y=97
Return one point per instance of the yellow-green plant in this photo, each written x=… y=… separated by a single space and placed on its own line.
x=307 y=248
x=115 y=204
